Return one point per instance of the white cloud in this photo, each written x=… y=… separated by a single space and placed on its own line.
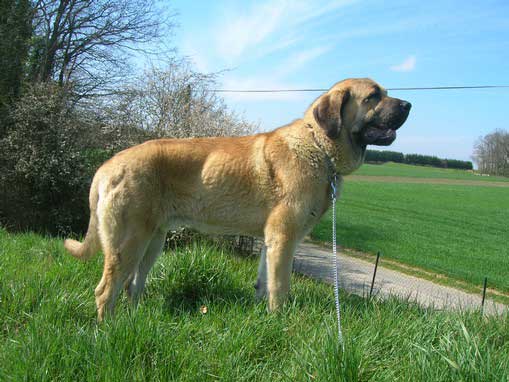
x=245 y=34
x=247 y=30
x=274 y=80
x=298 y=60
x=407 y=65
x=268 y=24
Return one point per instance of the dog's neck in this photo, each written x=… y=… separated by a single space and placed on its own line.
x=330 y=160
x=342 y=156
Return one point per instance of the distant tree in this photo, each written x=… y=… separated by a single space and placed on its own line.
x=424 y=160
x=459 y=164
x=491 y=153
x=384 y=156
x=377 y=156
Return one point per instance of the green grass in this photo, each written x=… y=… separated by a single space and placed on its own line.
x=404 y=170
x=459 y=231
x=48 y=328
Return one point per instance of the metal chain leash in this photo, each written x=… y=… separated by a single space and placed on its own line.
x=335 y=258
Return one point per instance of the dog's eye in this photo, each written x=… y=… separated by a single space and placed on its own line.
x=371 y=97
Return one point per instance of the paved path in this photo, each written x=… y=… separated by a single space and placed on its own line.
x=356 y=275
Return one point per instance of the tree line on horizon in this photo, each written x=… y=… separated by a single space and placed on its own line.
x=379 y=156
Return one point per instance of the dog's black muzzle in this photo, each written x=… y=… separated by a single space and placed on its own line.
x=381 y=130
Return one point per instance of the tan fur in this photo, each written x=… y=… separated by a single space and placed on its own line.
x=273 y=185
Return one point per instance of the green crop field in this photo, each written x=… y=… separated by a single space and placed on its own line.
x=455 y=230
x=48 y=328
x=404 y=170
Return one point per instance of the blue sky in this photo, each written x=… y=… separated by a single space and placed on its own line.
x=300 y=44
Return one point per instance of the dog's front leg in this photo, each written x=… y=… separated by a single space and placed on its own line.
x=281 y=237
x=279 y=269
x=261 y=281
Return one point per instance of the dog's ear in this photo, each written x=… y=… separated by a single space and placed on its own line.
x=329 y=110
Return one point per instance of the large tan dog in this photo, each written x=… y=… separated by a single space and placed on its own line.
x=273 y=185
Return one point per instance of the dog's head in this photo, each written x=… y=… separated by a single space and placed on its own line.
x=361 y=109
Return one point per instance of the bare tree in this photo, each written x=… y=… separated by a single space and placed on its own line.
x=491 y=153
x=84 y=43
x=171 y=102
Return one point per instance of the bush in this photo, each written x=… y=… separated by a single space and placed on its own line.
x=47 y=169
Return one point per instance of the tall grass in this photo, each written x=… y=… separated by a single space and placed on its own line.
x=49 y=332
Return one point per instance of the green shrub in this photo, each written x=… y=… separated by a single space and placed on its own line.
x=47 y=167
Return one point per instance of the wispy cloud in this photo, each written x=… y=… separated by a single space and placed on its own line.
x=268 y=24
x=299 y=59
x=275 y=79
x=249 y=29
x=407 y=65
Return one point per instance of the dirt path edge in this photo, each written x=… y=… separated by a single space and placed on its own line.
x=356 y=275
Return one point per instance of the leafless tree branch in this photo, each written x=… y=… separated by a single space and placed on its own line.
x=90 y=41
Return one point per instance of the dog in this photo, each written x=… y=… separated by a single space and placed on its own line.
x=274 y=185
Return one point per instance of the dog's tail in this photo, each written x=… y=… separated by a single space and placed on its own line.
x=91 y=245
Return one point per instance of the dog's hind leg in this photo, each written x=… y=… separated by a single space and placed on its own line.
x=119 y=262
x=261 y=281
x=136 y=283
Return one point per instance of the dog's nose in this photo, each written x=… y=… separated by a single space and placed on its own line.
x=404 y=105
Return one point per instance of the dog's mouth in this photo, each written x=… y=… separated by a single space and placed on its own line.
x=381 y=130
x=372 y=135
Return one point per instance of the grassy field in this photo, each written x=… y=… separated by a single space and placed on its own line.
x=404 y=170
x=458 y=231
x=49 y=332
